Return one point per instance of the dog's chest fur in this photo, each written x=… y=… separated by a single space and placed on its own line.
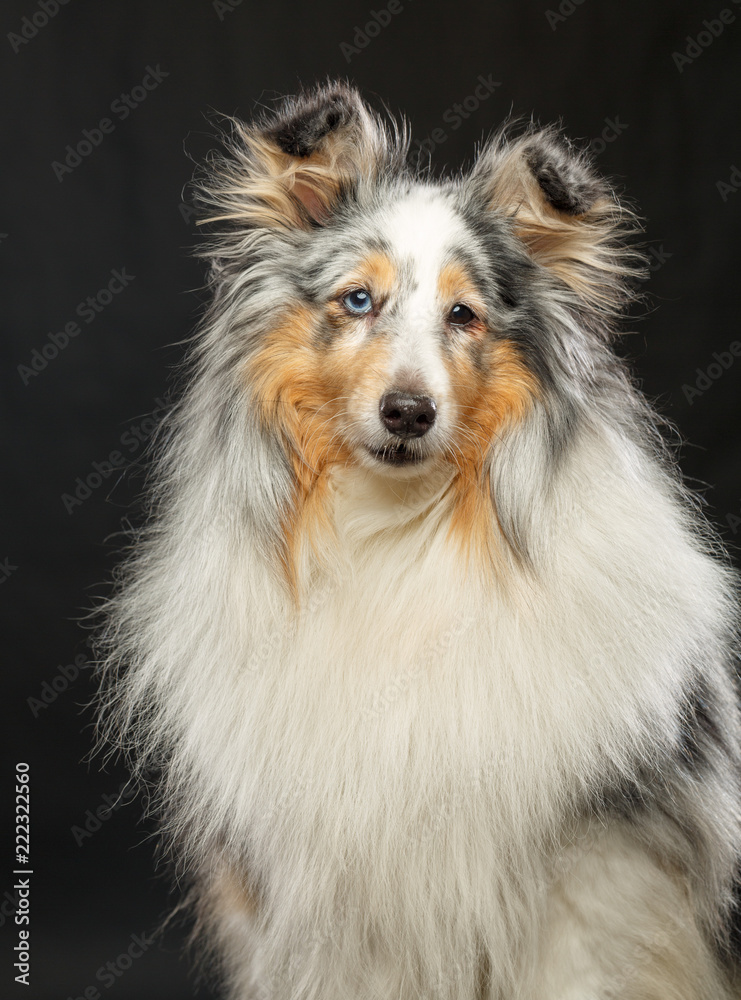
x=417 y=726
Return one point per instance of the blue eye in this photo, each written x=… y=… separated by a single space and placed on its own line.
x=358 y=302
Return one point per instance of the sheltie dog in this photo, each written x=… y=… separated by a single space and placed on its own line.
x=432 y=651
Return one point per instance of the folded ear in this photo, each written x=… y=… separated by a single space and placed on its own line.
x=288 y=169
x=567 y=216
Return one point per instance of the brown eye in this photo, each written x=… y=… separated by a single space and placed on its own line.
x=461 y=315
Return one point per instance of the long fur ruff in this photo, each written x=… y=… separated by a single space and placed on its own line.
x=445 y=717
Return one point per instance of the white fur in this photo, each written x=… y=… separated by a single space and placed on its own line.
x=396 y=764
x=419 y=229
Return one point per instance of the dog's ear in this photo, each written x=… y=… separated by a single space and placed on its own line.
x=568 y=217
x=288 y=169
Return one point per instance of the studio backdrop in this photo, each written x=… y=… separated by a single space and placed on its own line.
x=107 y=108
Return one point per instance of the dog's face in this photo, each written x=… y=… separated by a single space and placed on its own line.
x=392 y=322
x=393 y=346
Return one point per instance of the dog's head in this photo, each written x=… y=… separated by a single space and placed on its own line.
x=381 y=318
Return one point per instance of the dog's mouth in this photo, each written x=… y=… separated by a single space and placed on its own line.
x=396 y=453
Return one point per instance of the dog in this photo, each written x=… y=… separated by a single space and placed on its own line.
x=432 y=651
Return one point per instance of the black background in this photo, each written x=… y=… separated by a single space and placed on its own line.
x=122 y=208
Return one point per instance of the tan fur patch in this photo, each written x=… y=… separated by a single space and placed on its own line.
x=455 y=285
x=578 y=249
x=224 y=898
x=233 y=894
x=376 y=273
x=260 y=185
x=301 y=389
x=278 y=190
x=489 y=397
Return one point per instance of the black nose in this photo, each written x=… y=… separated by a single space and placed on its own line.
x=407 y=416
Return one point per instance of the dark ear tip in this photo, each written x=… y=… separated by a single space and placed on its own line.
x=303 y=122
x=565 y=180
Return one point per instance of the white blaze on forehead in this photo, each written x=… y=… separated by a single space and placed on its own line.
x=421 y=229
x=422 y=225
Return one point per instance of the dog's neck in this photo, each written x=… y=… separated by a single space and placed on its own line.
x=367 y=503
